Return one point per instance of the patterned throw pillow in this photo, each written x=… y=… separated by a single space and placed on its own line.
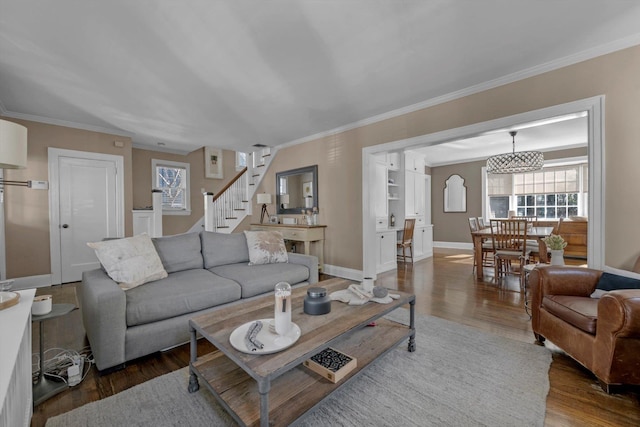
x=131 y=262
x=266 y=247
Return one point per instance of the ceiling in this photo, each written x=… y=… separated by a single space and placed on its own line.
x=556 y=133
x=179 y=75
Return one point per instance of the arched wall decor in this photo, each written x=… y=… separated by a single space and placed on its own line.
x=455 y=194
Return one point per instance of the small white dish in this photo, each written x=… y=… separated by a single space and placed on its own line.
x=273 y=343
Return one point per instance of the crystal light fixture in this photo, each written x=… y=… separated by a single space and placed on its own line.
x=522 y=161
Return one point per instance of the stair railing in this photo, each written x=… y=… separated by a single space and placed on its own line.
x=228 y=205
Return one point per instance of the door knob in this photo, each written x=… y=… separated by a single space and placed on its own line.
x=65 y=225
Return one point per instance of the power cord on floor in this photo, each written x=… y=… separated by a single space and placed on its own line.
x=57 y=362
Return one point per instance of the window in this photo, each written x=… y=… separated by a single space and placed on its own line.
x=241 y=160
x=173 y=179
x=552 y=193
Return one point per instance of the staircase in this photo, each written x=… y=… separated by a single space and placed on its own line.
x=224 y=211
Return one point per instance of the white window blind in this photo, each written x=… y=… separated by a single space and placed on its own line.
x=560 y=179
x=499 y=184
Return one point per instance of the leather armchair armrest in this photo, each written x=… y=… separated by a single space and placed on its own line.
x=573 y=281
x=619 y=313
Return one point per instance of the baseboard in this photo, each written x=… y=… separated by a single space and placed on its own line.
x=31 y=282
x=345 y=273
x=453 y=245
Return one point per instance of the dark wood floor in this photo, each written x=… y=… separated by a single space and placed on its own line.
x=444 y=286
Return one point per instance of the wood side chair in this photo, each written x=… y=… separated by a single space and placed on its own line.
x=407 y=239
x=510 y=244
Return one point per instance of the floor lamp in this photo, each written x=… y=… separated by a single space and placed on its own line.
x=264 y=199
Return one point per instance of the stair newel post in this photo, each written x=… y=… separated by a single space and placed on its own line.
x=209 y=212
x=156 y=205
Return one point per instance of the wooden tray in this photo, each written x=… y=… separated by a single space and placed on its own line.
x=8 y=299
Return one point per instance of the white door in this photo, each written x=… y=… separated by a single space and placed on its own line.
x=89 y=208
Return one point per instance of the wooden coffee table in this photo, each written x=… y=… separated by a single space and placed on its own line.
x=277 y=388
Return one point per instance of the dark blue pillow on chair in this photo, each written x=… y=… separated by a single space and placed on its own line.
x=611 y=282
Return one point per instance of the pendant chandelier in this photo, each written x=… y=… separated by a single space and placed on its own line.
x=522 y=161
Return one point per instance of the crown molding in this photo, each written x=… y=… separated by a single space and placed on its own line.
x=585 y=55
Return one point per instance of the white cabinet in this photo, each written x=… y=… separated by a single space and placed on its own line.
x=423 y=242
x=385 y=251
x=414 y=193
x=414 y=162
x=393 y=161
x=380 y=192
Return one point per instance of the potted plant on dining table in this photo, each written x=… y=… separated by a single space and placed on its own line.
x=556 y=244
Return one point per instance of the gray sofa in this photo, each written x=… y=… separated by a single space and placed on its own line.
x=206 y=270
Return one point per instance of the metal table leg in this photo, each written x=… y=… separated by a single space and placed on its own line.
x=193 y=378
x=412 y=325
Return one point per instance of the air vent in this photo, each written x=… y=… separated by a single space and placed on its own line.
x=259 y=145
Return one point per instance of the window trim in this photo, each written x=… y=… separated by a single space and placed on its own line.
x=155 y=163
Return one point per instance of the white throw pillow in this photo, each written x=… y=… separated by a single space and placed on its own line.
x=266 y=247
x=131 y=262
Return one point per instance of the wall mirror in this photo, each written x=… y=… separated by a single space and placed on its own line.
x=297 y=189
x=455 y=194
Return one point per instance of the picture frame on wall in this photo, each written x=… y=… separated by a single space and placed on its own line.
x=213 y=163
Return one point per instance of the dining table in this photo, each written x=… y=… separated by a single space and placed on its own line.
x=538 y=233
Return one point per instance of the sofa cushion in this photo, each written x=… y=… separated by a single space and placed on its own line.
x=131 y=261
x=181 y=293
x=581 y=312
x=220 y=249
x=258 y=279
x=266 y=247
x=179 y=252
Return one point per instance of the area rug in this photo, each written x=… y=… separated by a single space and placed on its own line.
x=458 y=376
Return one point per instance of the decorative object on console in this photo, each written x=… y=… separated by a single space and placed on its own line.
x=264 y=199
x=522 y=161
x=266 y=247
x=130 y=261
x=213 y=163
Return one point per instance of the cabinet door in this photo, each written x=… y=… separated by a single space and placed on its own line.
x=409 y=194
x=419 y=195
x=393 y=161
x=418 y=242
x=380 y=191
x=387 y=248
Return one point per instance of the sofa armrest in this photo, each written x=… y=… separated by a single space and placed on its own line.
x=309 y=261
x=103 y=305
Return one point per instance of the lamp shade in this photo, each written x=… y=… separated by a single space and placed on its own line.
x=13 y=145
x=264 y=199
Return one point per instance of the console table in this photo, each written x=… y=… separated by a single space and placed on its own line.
x=300 y=233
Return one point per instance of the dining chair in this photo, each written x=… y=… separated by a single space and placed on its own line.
x=481 y=223
x=510 y=244
x=487 y=245
x=407 y=239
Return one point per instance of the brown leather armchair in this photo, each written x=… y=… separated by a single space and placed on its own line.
x=601 y=334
